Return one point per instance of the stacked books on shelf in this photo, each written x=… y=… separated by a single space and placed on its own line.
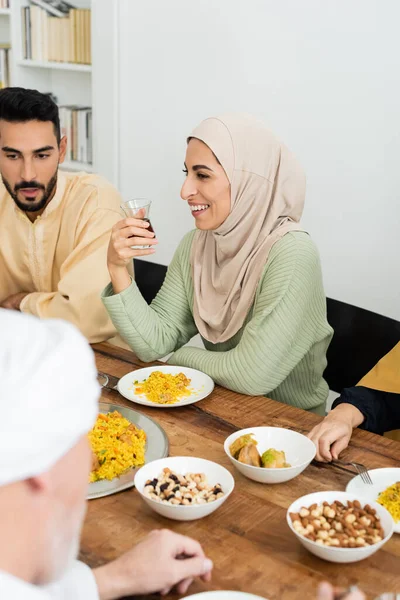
x=4 y=65
x=52 y=30
x=4 y=3
x=76 y=124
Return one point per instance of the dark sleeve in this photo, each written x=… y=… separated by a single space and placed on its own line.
x=381 y=410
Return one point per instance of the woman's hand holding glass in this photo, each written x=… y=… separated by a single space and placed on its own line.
x=125 y=234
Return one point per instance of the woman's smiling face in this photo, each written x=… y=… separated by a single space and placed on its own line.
x=206 y=189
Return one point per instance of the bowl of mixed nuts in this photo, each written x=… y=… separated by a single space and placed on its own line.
x=339 y=527
x=184 y=488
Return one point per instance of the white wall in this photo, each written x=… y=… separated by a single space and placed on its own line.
x=323 y=75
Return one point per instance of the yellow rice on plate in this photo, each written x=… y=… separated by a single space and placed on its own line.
x=117 y=445
x=390 y=499
x=164 y=388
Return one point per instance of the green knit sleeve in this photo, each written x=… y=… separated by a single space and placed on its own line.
x=289 y=308
x=167 y=324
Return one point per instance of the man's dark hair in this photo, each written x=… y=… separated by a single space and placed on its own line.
x=19 y=105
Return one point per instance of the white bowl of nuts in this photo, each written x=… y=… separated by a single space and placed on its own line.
x=339 y=527
x=184 y=488
x=269 y=454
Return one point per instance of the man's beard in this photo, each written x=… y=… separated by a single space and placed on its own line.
x=63 y=542
x=32 y=206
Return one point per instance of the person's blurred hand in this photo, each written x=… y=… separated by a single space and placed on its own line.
x=327 y=592
x=158 y=563
x=13 y=302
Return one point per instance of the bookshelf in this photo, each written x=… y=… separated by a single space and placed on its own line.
x=60 y=66
x=75 y=165
x=70 y=83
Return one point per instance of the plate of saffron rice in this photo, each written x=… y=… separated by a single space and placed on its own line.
x=385 y=490
x=165 y=386
x=122 y=440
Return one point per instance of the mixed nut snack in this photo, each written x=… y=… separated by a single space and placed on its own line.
x=342 y=525
x=186 y=490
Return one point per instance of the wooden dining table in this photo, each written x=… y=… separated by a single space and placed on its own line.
x=247 y=538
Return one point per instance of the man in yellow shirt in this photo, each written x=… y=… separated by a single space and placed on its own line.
x=54 y=226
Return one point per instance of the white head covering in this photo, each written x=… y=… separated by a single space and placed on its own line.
x=48 y=393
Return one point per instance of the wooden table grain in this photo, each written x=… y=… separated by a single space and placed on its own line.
x=247 y=538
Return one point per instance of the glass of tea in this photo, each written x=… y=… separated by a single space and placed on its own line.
x=139 y=208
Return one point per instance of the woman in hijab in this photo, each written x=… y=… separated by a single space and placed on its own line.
x=248 y=280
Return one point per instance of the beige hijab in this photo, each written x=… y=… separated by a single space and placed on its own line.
x=267 y=200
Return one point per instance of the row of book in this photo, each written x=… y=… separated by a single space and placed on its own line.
x=76 y=124
x=4 y=3
x=4 y=66
x=60 y=39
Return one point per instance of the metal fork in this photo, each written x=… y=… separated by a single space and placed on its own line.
x=104 y=380
x=360 y=469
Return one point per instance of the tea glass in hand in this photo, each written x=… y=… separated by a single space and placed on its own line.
x=138 y=208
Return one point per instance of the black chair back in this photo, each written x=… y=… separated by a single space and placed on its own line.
x=360 y=340
x=149 y=278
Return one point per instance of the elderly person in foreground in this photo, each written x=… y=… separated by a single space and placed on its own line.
x=44 y=467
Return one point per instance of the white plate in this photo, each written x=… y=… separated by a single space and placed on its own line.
x=201 y=384
x=219 y=595
x=156 y=447
x=382 y=479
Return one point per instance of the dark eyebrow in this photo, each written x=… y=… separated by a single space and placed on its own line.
x=44 y=149
x=8 y=149
x=198 y=167
x=14 y=151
